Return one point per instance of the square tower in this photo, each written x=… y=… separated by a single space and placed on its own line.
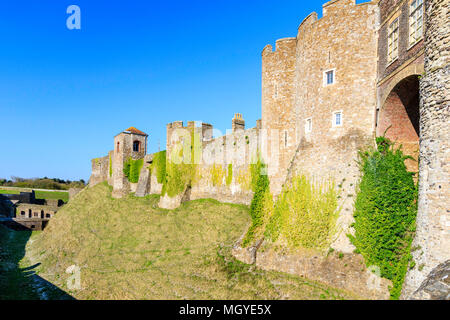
x=131 y=143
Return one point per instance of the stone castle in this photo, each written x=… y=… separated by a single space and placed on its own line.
x=360 y=71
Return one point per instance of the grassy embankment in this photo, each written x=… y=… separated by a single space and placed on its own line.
x=130 y=249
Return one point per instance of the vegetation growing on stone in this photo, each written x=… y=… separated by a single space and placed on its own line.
x=217 y=175
x=385 y=212
x=229 y=174
x=305 y=215
x=159 y=166
x=182 y=168
x=132 y=169
x=261 y=201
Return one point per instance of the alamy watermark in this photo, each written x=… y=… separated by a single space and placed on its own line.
x=74 y=280
x=74 y=20
x=374 y=278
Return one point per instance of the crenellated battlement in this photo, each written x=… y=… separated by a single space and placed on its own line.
x=334 y=8
x=281 y=46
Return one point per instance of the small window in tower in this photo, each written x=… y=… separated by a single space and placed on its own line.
x=275 y=94
x=118 y=146
x=136 y=146
x=329 y=77
x=337 y=119
x=308 y=125
x=22 y=213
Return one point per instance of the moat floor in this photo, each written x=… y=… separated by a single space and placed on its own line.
x=131 y=249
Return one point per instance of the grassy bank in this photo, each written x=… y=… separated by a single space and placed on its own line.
x=131 y=249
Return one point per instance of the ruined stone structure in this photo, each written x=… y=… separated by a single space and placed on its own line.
x=26 y=212
x=345 y=78
x=216 y=157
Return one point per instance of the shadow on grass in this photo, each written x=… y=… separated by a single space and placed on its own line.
x=18 y=283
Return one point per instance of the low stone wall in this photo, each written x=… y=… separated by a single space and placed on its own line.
x=100 y=171
x=346 y=271
x=25 y=224
x=228 y=194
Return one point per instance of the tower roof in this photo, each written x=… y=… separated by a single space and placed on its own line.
x=135 y=131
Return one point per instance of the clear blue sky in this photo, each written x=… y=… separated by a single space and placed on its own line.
x=64 y=94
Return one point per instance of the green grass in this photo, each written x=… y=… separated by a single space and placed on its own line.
x=14 y=285
x=56 y=195
x=17 y=278
x=9 y=192
x=130 y=249
x=64 y=196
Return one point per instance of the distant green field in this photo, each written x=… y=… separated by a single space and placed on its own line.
x=9 y=192
x=64 y=196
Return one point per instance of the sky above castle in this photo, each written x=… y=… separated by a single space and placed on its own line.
x=64 y=93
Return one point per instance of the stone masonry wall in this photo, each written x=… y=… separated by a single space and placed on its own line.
x=343 y=40
x=100 y=171
x=278 y=116
x=432 y=240
x=238 y=148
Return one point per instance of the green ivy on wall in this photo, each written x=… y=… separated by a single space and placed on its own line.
x=181 y=175
x=260 y=202
x=159 y=166
x=229 y=179
x=132 y=169
x=385 y=212
x=217 y=174
x=305 y=215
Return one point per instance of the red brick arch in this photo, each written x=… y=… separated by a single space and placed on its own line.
x=399 y=117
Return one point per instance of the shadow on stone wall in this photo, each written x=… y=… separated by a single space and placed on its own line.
x=18 y=283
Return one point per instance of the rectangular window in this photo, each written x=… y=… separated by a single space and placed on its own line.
x=275 y=93
x=393 y=41
x=328 y=77
x=337 y=119
x=415 y=21
x=308 y=125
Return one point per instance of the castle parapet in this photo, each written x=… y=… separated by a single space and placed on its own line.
x=238 y=122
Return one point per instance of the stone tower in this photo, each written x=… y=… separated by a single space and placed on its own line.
x=278 y=115
x=432 y=239
x=131 y=143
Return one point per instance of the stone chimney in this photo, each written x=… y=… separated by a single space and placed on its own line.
x=238 y=122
